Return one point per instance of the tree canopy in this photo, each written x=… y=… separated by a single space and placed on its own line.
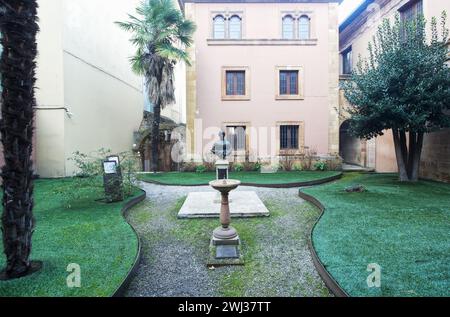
x=403 y=85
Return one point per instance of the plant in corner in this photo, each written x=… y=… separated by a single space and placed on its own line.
x=18 y=26
x=403 y=86
x=200 y=169
x=161 y=35
x=321 y=166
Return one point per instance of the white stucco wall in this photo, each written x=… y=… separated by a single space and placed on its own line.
x=84 y=70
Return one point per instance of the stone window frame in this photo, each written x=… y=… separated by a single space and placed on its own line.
x=301 y=137
x=246 y=96
x=297 y=14
x=227 y=14
x=301 y=83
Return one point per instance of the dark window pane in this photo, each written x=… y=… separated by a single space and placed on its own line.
x=235 y=83
x=229 y=83
x=283 y=83
x=237 y=137
x=289 y=137
x=409 y=13
x=293 y=83
x=347 y=62
x=289 y=82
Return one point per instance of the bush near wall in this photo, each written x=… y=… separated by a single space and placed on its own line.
x=285 y=163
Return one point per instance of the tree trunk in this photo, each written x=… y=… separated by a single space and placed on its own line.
x=155 y=136
x=408 y=157
x=17 y=65
x=411 y=149
x=400 y=155
x=416 y=154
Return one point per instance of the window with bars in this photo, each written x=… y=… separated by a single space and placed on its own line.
x=411 y=10
x=237 y=137
x=235 y=81
x=289 y=137
x=289 y=82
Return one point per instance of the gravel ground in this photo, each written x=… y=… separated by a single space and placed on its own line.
x=278 y=262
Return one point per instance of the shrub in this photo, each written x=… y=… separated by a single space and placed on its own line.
x=200 y=169
x=321 y=166
x=298 y=167
x=88 y=179
x=286 y=164
x=238 y=167
x=129 y=163
x=249 y=166
x=257 y=167
x=209 y=166
x=188 y=167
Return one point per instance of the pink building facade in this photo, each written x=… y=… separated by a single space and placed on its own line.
x=267 y=72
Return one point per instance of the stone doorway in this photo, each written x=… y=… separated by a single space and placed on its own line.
x=349 y=146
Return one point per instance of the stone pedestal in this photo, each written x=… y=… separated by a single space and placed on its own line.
x=222 y=169
x=225 y=243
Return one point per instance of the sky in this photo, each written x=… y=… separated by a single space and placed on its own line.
x=347 y=7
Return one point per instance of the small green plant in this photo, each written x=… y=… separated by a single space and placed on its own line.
x=321 y=166
x=129 y=164
x=257 y=167
x=238 y=167
x=88 y=178
x=298 y=167
x=200 y=169
x=188 y=166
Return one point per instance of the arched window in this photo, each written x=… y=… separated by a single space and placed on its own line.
x=304 y=28
x=235 y=27
x=288 y=27
x=219 y=27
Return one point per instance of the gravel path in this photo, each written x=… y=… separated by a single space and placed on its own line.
x=278 y=262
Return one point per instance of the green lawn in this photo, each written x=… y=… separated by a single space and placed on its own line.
x=91 y=234
x=405 y=228
x=176 y=178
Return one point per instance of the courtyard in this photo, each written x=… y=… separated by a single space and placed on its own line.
x=182 y=149
x=408 y=240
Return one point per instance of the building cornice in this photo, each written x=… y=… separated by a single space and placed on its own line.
x=355 y=14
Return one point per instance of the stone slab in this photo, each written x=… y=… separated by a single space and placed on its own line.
x=244 y=204
x=227 y=252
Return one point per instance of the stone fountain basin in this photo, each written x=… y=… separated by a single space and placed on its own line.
x=225 y=185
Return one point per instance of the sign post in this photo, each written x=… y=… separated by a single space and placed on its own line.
x=112 y=181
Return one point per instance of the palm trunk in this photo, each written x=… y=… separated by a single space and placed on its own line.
x=155 y=136
x=19 y=28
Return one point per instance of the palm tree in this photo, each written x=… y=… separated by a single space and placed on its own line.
x=161 y=34
x=18 y=26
